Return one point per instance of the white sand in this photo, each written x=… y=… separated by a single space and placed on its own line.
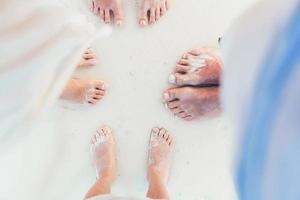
x=136 y=63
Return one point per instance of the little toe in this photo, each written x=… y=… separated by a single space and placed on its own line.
x=168 y=4
x=188 y=118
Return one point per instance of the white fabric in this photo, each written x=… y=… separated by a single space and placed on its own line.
x=245 y=49
x=112 y=197
x=41 y=43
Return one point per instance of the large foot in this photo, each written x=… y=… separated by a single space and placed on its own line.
x=104 y=154
x=190 y=103
x=108 y=10
x=161 y=148
x=88 y=59
x=84 y=91
x=152 y=10
x=197 y=67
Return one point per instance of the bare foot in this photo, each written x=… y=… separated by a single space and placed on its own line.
x=88 y=59
x=108 y=10
x=104 y=154
x=190 y=103
x=200 y=66
x=84 y=91
x=161 y=148
x=152 y=10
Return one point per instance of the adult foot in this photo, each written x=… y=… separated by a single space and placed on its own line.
x=108 y=10
x=190 y=103
x=161 y=148
x=152 y=10
x=84 y=91
x=88 y=59
x=200 y=66
x=104 y=154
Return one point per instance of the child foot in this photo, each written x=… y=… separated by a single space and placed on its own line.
x=103 y=154
x=84 y=91
x=88 y=59
x=152 y=10
x=108 y=10
x=161 y=148
x=200 y=66
x=190 y=103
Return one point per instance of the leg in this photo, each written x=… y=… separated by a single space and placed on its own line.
x=160 y=155
x=104 y=157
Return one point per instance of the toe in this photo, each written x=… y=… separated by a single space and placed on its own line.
x=161 y=132
x=168 y=4
x=101 y=14
x=173 y=104
x=182 y=79
x=183 y=61
x=92 y=101
x=188 y=118
x=152 y=15
x=163 y=9
x=99 y=92
x=157 y=13
x=182 y=68
x=155 y=131
x=172 y=94
x=118 y=13
x=98 y=97
x=100 y=85
x=143 y=21
x=107 y=16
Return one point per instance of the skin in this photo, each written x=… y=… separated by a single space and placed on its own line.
x=197 y=93
x=190 y=103
x=108 y=10
x=84 y=90
x=104 y=156
x=209 y=74
x=152 y=10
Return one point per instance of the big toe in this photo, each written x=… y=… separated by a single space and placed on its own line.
x=171 y=94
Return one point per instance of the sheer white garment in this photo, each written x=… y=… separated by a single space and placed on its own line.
x=41 y=43
x=259 y=45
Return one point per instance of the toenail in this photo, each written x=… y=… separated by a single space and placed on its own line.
x=166 y=96
x=143 y=22
x=119 y=22
x=172 y=79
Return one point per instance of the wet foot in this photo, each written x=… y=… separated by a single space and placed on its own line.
x=198 y=67
x=108 y=10
x=84 y=91
x=190 y=103
x=88 y=59
x=152 y=10
x=104 y=154
x=161 y=148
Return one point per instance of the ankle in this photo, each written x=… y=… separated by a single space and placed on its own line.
x=154 y=174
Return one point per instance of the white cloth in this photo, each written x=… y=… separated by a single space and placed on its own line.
x=41 y=43
x=112 y=197
x=258 y=51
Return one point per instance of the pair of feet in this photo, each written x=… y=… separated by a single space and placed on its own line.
x=150 y=11
x=196 y=78
x=84 y=91
x=161 y=146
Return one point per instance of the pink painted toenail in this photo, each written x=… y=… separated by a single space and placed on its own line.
x=143 y=22
x=166 y=96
